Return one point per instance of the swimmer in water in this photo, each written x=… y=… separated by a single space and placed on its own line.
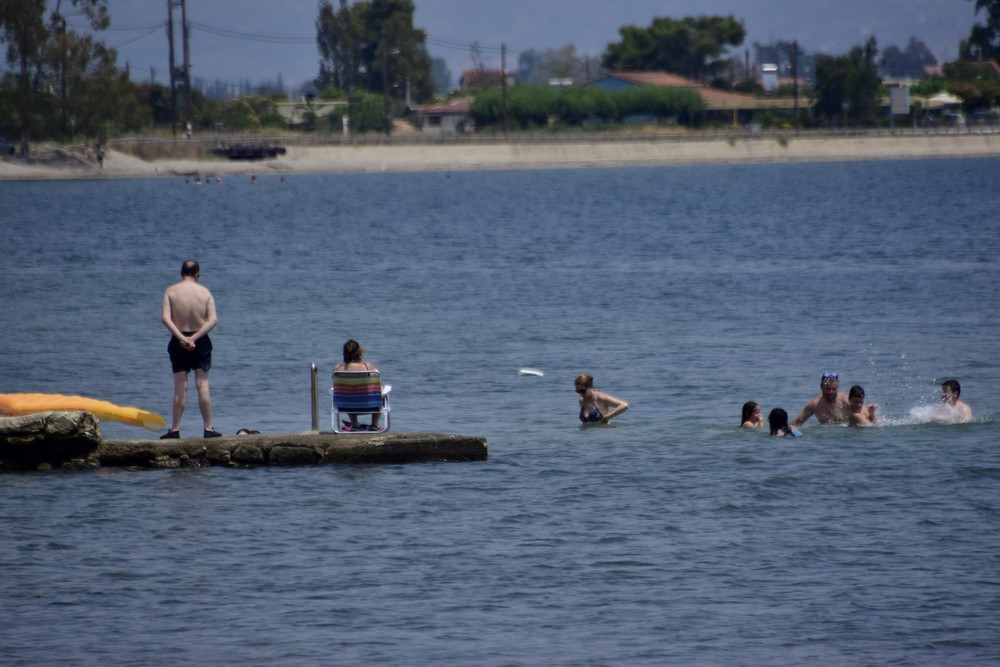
x=596 y=407
x=950 y=391
x=778 y=421
x=830 y=406
x=860 y=416
x=752 y=416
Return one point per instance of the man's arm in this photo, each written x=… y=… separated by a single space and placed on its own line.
x=806 y=413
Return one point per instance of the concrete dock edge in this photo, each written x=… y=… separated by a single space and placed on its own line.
x=72 y=440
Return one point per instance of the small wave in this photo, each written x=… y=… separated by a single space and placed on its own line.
x=934 y=414
x=978 y=473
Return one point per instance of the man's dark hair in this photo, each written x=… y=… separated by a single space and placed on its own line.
x=857 y=390
x=190 y=268
x=953 y=386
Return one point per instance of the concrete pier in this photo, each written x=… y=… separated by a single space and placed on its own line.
x=47 y=441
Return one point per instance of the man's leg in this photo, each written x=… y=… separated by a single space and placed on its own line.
x=180 y=393
x=204 y=397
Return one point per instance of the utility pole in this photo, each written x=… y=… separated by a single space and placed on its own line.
x=188 y=115
x=385 y=83
x=503 y=77
x=173 y=69
x=746 y=67
x=62 y=74
x=795 y=79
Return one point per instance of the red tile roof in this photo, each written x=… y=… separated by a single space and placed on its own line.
x=460 y=105
x=714 y=99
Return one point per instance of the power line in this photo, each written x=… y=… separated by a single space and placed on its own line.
x=254 y=37
x=128 y=29
x=136 y=39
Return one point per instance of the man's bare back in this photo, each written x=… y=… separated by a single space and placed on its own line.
x=188 y=311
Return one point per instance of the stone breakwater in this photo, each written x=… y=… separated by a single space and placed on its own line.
x=72 y=440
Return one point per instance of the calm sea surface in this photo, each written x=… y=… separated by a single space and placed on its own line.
x=672 y=538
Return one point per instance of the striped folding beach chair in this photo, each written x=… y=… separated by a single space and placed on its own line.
x=358 y=393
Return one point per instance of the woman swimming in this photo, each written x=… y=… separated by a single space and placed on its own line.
x=596 y=407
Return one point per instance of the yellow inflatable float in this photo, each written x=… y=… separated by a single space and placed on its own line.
x=26 y=404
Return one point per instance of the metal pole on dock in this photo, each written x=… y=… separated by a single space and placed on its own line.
x=315 y=401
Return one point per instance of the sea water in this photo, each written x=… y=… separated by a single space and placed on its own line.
x=672 y=537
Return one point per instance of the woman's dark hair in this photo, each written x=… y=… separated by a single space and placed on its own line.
x=352 y=351
x=748 y=409
x=778 y=421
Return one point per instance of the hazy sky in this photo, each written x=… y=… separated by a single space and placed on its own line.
x=235 y=40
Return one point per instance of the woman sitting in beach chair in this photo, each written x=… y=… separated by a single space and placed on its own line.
x=357 y=390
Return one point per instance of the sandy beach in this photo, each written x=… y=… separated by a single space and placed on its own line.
x=53 y=162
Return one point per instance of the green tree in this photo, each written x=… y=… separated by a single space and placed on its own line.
x=252 y=112
x=692 y=47
x=372 y=46
x=984 y=38
x=156 y=98
x=364 y=114
x=976 y=85
x=848 y=86
x=97 y=98
x=44 y=59
x=909 y=61
x=339 y=36
x=532 y=107
x=441 y=76
x=538 y=67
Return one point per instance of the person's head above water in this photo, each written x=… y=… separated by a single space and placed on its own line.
x=583 y=382
x=748 y=411
x=352 y=351
x=950 y=391
x=778 y=421
x=857 y=397
x=829 y=383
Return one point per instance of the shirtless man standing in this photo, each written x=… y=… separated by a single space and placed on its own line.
x=189 y=314
x=829 y=406
x=950 y=391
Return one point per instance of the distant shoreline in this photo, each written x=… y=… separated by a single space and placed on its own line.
x=53 y=163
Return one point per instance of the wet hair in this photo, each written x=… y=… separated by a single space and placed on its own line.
x=857 y=391
x=953 y=386
x=748 y=409
x=352 y=351
x=778 y=421
x=190 y=268
x=584 y=379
